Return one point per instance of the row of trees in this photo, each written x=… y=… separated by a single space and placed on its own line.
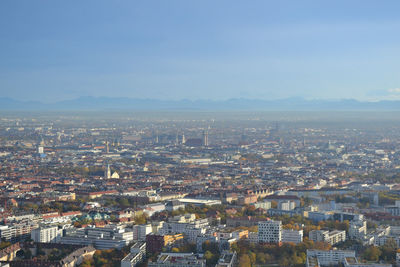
x=386 y=252
x=286 y=255
x=106 y=258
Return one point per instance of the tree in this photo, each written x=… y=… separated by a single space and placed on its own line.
x=260 y=258
x=389 y=250
x=372 y=253
x=141 y=219
x=244 y=261
x=252 y=257
x=211 y=258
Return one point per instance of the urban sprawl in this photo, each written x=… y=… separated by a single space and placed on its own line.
x=154 y=190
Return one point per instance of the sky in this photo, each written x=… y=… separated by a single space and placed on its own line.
x=168 y=49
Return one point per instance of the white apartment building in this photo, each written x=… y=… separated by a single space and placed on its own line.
x=358 y=229
x=136 y=255
x=270 y=231
x=294 y=236
x=327 y=257
x=332 y=237
x=46 y=234
x=140 y=231
x=17 y=231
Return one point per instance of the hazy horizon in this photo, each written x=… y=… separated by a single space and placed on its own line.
x=173 y=50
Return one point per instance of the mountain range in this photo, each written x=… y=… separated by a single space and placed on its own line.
x=237 y=104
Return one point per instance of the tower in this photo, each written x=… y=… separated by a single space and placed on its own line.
x=107 y=148
x=205 y=138
x=107 y=172
x=183 y=139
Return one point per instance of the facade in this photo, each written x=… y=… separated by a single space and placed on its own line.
x=358 y=229
x=155 y=243
x=327 y=257
x=292 y=236
x=191 y=228
x=332 y=237
x=140 y=231
x=17 y=231
x=265 y=205
x=49 y=234
x=174 y=205
x=270 y=231
x=136 y=255
x=287 y=205
x=100 y=238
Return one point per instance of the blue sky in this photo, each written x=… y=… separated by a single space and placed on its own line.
x=167 y=49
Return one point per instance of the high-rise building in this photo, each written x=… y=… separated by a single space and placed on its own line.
x=49 y=234
x=270 y=231
x=183 y=139
x=205 y=138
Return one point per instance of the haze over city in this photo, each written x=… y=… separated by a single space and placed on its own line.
x=199 y=133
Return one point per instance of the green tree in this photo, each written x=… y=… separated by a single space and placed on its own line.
x=372 y=253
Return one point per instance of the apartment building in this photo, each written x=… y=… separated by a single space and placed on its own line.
x=293 y=236
x=331 y=237
x=46 y=234
x=270 y=231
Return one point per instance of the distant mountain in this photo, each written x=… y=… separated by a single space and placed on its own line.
x=109 y=103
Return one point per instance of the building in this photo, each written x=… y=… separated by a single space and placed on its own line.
x=247 y=221
x=343 y=216
x=293 y=236
x=227 y=259
x=279 y=198
x=155 y=243
x=394 y=210
x=270 y=231
x=346 y=258
x=265 y=205
x=318 y=216
x=141 y=231
x=247 y=199
x=332 y=237
x=287 y=205
x=136 y=255
x=205 y=138
x=327 y=257
x=46 y=234
x=17 y=231
x=358 y=229
x=178 y=260
x=101 y=238
x=77 y=257
x=174 y=205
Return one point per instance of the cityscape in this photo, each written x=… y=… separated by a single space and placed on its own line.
x=113 y=190
x=207 y=133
